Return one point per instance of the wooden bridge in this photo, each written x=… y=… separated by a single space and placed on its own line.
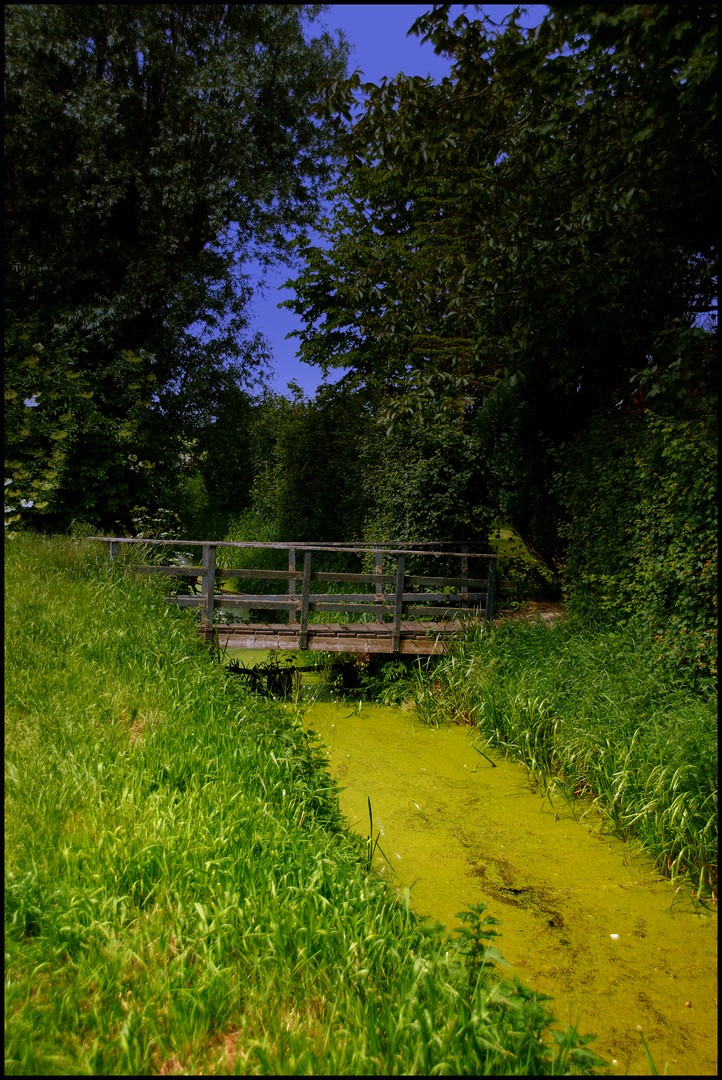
x=400 y=610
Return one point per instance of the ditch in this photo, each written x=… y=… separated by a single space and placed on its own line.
x=584 y=918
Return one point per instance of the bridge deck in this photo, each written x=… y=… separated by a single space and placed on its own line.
x=415 y=638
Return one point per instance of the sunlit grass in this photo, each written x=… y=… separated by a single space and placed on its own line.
x=181 y=893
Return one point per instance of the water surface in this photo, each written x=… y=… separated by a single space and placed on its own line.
x=583 y=917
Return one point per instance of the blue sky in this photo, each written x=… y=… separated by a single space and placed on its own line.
x=379 y=46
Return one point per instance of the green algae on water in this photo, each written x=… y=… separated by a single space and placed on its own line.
x=583 y=917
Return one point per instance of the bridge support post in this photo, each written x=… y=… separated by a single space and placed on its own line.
x=306 y=590
x=490 y=587
x=398 y=603
x=209 y=583
x=378 y=587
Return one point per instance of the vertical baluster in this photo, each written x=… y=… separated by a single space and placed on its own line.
x=378 y=587
x=292 y=585
x=398 y=603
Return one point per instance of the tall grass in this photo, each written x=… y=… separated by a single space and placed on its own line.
x=181 y=894
x=593 y=716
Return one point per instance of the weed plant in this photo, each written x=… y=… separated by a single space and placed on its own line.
x=596 y=719
x=181 y=893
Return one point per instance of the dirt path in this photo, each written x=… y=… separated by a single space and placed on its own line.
x=547 y=610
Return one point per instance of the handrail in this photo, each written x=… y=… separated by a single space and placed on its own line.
x=286 y=545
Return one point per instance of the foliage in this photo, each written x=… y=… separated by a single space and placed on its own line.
x=78 y=434
x=306 y=480
x=512 y=429
x=181 y=893
x=640 y=498
x=392 y=682
x=149 y=150
x=424 y=484
x=511 y=246
x=321 y=472
x=226 y=461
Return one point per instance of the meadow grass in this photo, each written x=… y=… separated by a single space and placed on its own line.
x=596 y=719
x=181 y=892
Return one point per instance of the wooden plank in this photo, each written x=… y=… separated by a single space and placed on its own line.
x=284 y=545
x=260 y=575
x=171 y=571
x=305 y=590
x=291 y=574
x=187 y=601
x=208 y=575
x=441 y=611
x=341 y=601
x=255 y=600
x=347 y=630
x=379 y=583
x=292 y=585
x=422 y=646
x=452 y=600
x=398 y=603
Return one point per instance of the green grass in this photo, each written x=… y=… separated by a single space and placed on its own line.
x=181 y=893
x=596 y=719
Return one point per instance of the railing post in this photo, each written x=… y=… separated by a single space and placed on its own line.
x=305 y=591
x=398 y=603
x=292 y=584
x=490 y=586
x=465 y=574
x=378 y=587
x=114 y=547
x=209 y=583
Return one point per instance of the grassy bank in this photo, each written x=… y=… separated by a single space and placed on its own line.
x=181 y=894
x=593 y=717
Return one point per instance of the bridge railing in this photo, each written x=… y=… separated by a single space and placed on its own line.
x=387 y=597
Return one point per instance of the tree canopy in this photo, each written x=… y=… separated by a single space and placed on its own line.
x=528 y=239
x=149 y=151
x=551 y=204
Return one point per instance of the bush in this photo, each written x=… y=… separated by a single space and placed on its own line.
x=640 y=495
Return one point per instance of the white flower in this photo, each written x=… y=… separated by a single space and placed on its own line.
x=7 y=481
x=27 y=502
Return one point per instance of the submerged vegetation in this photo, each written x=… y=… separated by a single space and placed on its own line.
x=181 y=893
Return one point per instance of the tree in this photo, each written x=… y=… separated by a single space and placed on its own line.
x=424 y=484
x=527 y=233
x=149 y=150
x=307 y=481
